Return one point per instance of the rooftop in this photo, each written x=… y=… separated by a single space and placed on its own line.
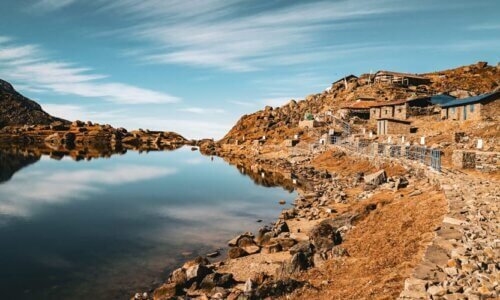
x=409 y=75
x=471 y=100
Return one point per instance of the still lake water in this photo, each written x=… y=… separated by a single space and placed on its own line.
x=104 y=228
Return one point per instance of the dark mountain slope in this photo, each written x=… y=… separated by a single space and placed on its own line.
x=15 y=109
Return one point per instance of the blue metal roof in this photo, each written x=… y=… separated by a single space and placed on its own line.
x=469 y=100
x=441 y=99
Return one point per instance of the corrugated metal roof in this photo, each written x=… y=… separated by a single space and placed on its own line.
x=409 y=75
x=471 y=100
x=441 y=99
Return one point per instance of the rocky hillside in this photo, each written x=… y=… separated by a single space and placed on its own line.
x=15 y=109
x=280 y=123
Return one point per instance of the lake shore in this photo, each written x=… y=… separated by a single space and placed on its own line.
x=340 y=227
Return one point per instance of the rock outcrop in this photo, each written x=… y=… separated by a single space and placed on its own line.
x=15 y=109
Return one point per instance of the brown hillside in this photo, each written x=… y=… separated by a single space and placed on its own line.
x=15 y=109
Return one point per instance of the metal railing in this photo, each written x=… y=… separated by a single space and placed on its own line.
x=422 y=154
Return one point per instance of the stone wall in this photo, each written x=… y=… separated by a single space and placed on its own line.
x=308 y=124
x=387 y=112
x=400 y=111
x=479 y=160
x=397 y=128
x=490 y=110
x=487 y=161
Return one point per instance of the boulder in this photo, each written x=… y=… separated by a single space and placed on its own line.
x=304 y=247
x=325 y=235
x=274 y=289
x=376 y=178
x=285 y=242
x=281 y=226
x=234 y=241
x=167 y=291
x=236 y=252
x=248 y=244
x=271 y=248
x=179 y=277
x=217 y=280
x=197 y=272
x=299 y=262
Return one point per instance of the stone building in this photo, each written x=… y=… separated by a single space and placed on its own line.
x=392 y=126
x=359 y=108
x=402 y=109
x=473 y=108
x=404 y=79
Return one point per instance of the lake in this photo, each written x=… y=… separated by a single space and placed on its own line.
x=108 y=227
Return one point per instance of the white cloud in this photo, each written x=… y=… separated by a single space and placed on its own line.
x=30 y=66
x=242 y=103
x=485 y=26
x=220 y=34
x=201 y=110
x=50 y=5
x=4 y=39
x=279 y=101
x=15 y=200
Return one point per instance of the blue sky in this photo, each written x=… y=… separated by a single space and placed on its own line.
x=195 y=67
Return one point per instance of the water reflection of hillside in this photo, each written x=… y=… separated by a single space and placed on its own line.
x=265 y=177
x=13 y=159
x=11 y=162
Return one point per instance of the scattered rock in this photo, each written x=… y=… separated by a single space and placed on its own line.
x=325 y=235
x=376 y=178
x=236 y=252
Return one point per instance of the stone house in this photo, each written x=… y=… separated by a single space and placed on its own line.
x=392 y=126
x=472 y=108
x=359 y=108
x=404 y=79
x=402 y=109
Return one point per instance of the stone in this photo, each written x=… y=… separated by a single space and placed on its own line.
x=278 y=288
x=249 y=286
x=271 y=248
x=376 y=178
x=325 y=235
x=236 y=252
x=248 y=245
x=197 y=272
x=234 y=241
x=436 y=290
x=167 y=291
x=415 y=285
x=217 y=280
x=179 y=277
x=281 y=226
x=304 y=246
x=415 y=193
x=299 y=262
x=213 y=254
x=285 y=243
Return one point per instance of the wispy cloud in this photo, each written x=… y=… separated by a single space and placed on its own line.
x=223 y=35
x=50 y=5
x=31 y=66
x=485 y=26
x=242 y=103
x=47 y=188
x=201 y=110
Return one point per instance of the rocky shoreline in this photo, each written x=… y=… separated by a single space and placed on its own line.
x=272 y=263
x=61 y=136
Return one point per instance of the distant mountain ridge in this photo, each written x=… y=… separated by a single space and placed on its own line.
x=15 y=109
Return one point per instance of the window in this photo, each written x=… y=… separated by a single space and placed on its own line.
x=471 y=108
x=452 y=110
